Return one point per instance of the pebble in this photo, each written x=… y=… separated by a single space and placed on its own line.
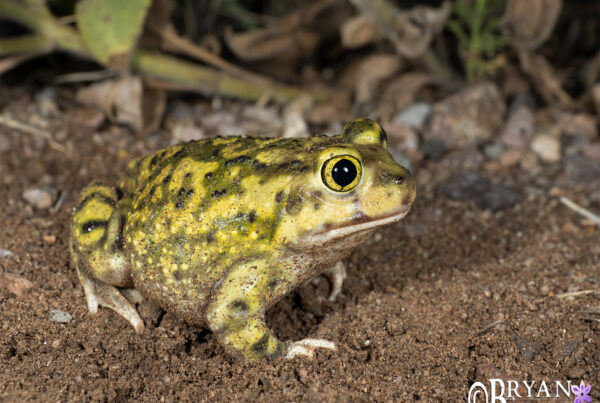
x=433 y=149
x=519 y=128
x=510 y=157
x=570 y=346
x=58 y=316
x=493 y=150
x=592 y=152
x=582 y=170
x=546 y=147
x=186 y=131
x=15 y=284
x=527 y=347
x=5 y=143
x=49 y=239
x=40 y=198
x=470 y=186
x=578 y=124
x=5 y=253
x=414 y=115
x=471 y=116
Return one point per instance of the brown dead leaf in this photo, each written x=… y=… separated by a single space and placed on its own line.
x=120 y=99
x=417 y=27
x=125 y=101
x=15 y=284
x=358 y=31
x=411 y=31
x=267 y=43
x=543 y=78
x=365 y=75
x=288 y=38
x=527 y=24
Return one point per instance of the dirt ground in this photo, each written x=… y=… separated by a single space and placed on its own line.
x=450 y=296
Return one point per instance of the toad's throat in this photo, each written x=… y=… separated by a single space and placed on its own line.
x=352 y=227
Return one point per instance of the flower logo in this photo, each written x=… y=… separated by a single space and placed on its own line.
x=582 y=393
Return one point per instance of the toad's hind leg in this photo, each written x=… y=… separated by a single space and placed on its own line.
x=237 y=308
x=97 y=251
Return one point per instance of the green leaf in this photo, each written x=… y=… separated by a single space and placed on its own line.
x=110 y=28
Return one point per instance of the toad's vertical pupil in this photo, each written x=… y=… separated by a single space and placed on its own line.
x=344 y=172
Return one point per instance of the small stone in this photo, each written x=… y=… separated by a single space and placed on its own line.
x=40 y=198
x=464 y=186
x=414 y=115
x=582 y=170
x=576 y=373
x=433 y=149
x=493 y=150
x=187 y=131
x=58 y=316
x=470 y=186
x=86 y=118
x=571 y=346
x=527 y=347
x=546 y=147
x=578 y=124
x=5 y=143
x=5 y=253
x=49 y=239
x=510 y=157
x=471 y=116
x=519 y=128
x=592 y=151
x=498 y=197
x=15 y=284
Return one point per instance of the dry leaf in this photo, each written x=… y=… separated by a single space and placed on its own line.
x=120 y=99
x=290 y=37
x=15 y=284
x=527 y=24
x=410 y=31
x=358 y=31
x=365 y=75
x=541 y=74
x=417 y=27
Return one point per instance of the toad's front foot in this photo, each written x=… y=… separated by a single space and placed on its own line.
x=99 y=293
x=306 y=347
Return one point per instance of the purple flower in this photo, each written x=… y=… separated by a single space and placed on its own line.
x=582 y=393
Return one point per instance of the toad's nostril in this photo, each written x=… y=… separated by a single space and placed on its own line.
x=398 y=180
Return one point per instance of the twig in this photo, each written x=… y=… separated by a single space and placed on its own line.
x=580 y=210
x=24 y=127
x=488 y=327
x=209 y=81
x=575 y=293
x=193 y=77
x=184 y=45
x=85 y=76
x=36 y=132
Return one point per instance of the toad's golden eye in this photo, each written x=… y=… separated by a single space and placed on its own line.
x=341 y=173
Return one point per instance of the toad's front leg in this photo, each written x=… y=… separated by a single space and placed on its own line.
x=237 y=308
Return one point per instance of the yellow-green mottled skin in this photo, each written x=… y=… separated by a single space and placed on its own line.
x=217 y=230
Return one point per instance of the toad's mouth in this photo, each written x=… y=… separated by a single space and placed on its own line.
x=353 y=227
